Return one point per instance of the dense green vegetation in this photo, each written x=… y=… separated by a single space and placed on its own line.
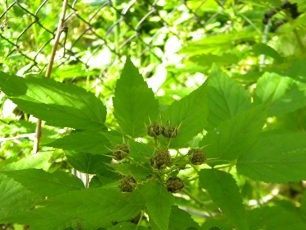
x=157 y=115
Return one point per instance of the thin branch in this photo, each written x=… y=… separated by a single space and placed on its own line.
x=60 y=28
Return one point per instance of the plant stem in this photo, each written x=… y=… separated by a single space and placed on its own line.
x=60 y=29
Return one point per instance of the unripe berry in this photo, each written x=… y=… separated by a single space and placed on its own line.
x=169 y=131
x=196 y=156
x=127 y=184
x=161 y=159
x=154 y=130
x=174 y=184
x=121 y=151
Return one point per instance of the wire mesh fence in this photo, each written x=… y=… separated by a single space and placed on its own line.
x=97 y=33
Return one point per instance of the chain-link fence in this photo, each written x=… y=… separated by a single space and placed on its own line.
x=97 y=33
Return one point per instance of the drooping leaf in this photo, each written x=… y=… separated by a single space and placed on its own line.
x=282 y=94
x=134 y=102
x=264 y=49
x=158 y=203
x=189 y=115
x=84 y=141
x=275 y=158
x=14 y=199
x=234 y=136
x=224 y=192
x=43 y=183
x=57 y=103
x=86 y=209
x=225 y=98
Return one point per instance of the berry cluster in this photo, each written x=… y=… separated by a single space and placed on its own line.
x=164 y=167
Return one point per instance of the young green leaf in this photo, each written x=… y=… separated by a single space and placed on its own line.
x=57 y=103
x=158 y=203
x=224 y=192
x=134 y=102
x=189 y=115
x=281 y=94
x=225 y=98
x=275 y=158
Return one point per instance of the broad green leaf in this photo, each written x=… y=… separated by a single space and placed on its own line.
x=188 y=114
x=275 y=158
x=282 y=94
x=181 y=220
x=43 y=183
x=38 y=161
x=57 y=103
x=84 y=141
x=225 y=193
x=210 y=59
x=134 y=102
x=14 y=199
x=158 y=203
x=234 y=136
x=225 y=98
x=276 y=217
x=87 y=209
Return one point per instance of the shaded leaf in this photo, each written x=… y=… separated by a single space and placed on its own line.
x=181 y=220
x=158 y=203
x=225 y=193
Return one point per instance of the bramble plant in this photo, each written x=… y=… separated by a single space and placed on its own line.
x=218 y=142
x=201 y=150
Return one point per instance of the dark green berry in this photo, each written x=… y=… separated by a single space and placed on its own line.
x=169 y=131
x=154 y=130
x=196 y=156
x=121 y=151
x=127 y=184
x=174 y=184
x=161 y=159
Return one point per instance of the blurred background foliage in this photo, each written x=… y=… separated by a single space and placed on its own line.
x=173 y=43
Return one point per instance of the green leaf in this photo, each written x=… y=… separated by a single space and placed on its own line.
x=282 y=94
x=57 y=103
x=225 y=98
x=266 y=50
x=188 y=114
x=84 y=141
x=87 y=209
x=225 y=193
x=14 y=199
x=181 y=220
x=234 y=136
x=275 y=158
x=88 y=163
x=134 y=102
x=158 y=203
x=43 y=183
x=276 y=217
